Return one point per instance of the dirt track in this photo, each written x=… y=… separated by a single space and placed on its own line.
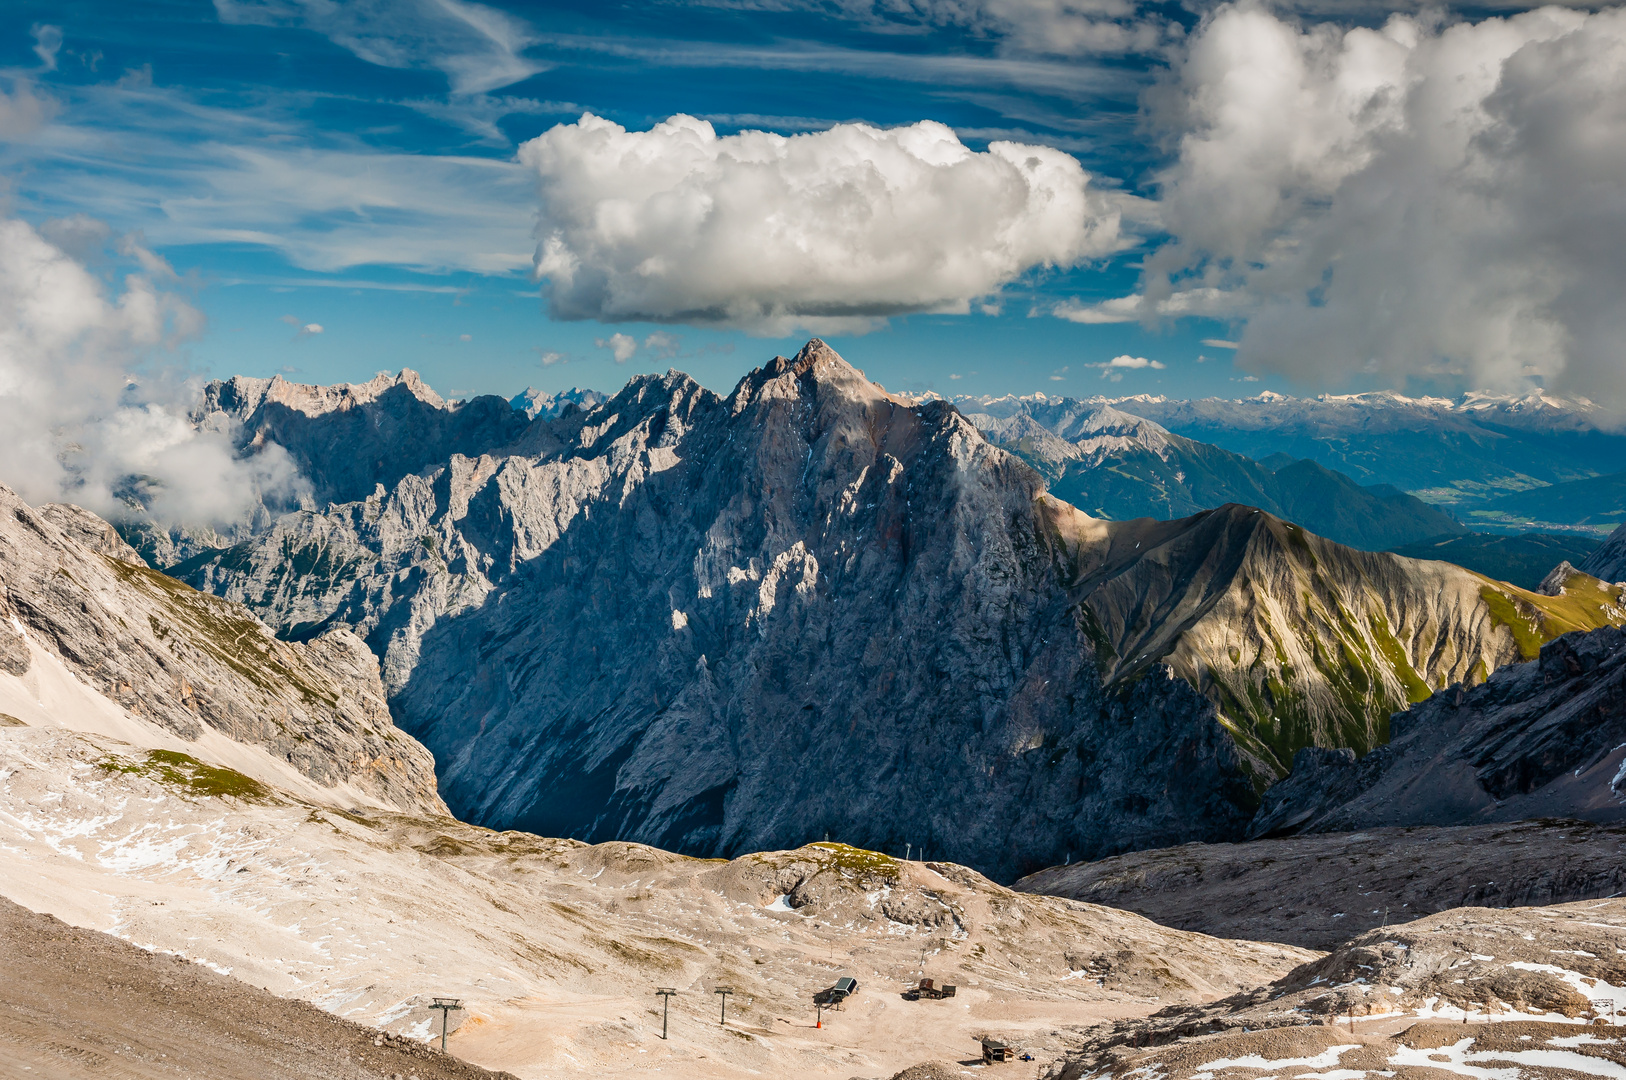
x=80 y=1003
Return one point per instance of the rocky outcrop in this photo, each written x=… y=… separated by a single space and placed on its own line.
x=1539 y=973
x=628 y=622
x=185 y=660
x=1540 y=739
x=630 y=629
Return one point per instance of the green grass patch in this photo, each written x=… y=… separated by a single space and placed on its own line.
x=223 y=629
x=1395 y=656
x=844 y=858
x=189 y=775
x=1534 y=619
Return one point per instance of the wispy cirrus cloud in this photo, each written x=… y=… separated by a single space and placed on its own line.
x=185 y=172
x=478 y=48
x=1052 y=27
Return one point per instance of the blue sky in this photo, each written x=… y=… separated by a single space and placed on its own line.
x=356 y=168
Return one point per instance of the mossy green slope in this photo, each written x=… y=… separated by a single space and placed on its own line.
x=1300 y=641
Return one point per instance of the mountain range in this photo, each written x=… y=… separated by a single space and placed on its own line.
x=1459 y=453
x=624 y=620
x=1119 y=466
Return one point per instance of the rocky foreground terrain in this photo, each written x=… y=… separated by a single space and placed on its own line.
x=1316 y=891
x=82 y=1003
x=624 y=621
x=556 y=946
x=1503 y=994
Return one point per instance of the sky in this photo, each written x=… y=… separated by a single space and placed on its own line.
x=964 y=196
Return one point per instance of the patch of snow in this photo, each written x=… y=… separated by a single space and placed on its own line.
x=1327 y=1058
x=1459 y=1059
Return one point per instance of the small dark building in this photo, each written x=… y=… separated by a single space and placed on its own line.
x=994 y=1050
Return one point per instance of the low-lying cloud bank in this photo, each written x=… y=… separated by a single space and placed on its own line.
x=1410 y=201
x=831 y=231
x=91 y=416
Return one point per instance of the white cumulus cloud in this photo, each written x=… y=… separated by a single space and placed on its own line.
x=830 y=231
x=1415 y=200
x=1115 y=367
x=621 y=346
x=89 y=415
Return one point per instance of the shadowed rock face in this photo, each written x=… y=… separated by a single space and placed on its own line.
x=1540 y=739
x=1315 y=890
x=1609 y=561
x=727 y=624
x=186 y=660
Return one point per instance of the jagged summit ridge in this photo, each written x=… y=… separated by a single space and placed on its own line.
x=241 y=395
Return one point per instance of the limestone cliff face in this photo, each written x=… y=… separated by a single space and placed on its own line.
x=350 y=438
x=184 y=659
x=729 y=624
x=343 y=441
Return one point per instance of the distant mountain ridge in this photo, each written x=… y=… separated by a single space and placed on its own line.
x=536 y=403
x=1117 y=465
x=1523 y=560
x=1457 y=452
x=626 y=621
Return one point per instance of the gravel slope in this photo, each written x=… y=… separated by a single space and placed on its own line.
x=81 y=1003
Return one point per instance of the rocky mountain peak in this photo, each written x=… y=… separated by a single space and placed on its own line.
x=816 y=373
x=241 y=396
